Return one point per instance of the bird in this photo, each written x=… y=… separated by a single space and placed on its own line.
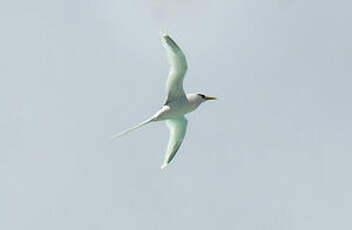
x=177 y=103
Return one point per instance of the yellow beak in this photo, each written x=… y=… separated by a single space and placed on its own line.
x=210 y=98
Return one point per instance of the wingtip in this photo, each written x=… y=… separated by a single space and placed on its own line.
x=163 y=166
x=163 y=34
x=164 y=39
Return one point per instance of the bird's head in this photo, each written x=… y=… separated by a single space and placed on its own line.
x=203 y=97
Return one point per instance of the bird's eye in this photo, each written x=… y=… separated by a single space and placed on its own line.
x=201 y=95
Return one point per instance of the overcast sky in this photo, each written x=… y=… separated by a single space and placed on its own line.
x=274 y=152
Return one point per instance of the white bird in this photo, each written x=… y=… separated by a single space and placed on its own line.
x=177 y=103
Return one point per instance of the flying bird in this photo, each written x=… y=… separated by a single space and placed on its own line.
x=177 y=103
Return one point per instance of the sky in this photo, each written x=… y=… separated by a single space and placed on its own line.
x=274 y=152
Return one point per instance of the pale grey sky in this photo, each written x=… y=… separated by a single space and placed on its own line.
x=274 y=152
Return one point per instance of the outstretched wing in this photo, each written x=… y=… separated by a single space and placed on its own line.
x=178 y=68
x=177 y=128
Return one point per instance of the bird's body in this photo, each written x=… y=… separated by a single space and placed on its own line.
x=178 y=107
x=177 y=103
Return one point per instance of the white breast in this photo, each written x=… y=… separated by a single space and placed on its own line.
x=178 y=108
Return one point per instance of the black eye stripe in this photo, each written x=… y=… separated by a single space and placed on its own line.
x=202 y=95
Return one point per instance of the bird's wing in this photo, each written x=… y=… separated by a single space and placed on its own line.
x=177 y=128
x=178 y=68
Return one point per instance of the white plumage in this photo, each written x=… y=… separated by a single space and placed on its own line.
x=177 y=103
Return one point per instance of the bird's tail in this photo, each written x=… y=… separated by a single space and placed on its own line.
x=131 y=129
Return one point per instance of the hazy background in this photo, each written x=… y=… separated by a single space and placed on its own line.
x=274 y=152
